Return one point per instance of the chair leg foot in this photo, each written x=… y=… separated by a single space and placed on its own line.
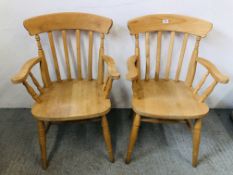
x=133 y=137
x=107 y=138
x=196 y=141
x=42 y=141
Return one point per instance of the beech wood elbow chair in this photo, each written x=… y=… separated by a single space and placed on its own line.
x=164 y=100
x=69 y=99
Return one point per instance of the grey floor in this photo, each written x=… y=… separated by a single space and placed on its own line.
x=78 y=148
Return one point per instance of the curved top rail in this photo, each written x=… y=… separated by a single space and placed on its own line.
x=169 y=22
x=66 y=21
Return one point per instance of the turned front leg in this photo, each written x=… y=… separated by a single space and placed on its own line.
x=42 y=141
x=133 y=137
x=107 y=138
x=196 y=140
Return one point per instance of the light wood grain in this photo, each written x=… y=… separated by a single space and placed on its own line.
x=165 y=100
x=90 y=48
x=181 y=57
x=158 y=55
x=79 y=62
x=217 y=75
x=193 y=64
x=68 y=21
x=64 y=38
x=132 y=69
x=101 y=62
x=42 y=141
x=108 y=87
x=71 y=100
x=36 y=83
x=137 y=89
x=133 y=137
x=147 y=45
x=112 y=70
x=169 y=22
x=196 y=140
x=155 y=120
x=43 y=66
x=54 y=54
x=106 y=82
x=173 y=100
x=169 y=58
x=107 y=137
x=201 y=82
x=32 y=92
x=208 y=91
x=137 y=53
x=21 y=76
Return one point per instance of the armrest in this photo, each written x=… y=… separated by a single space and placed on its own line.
x=25 y=70
x=132 y=69
x=217 y=75
x=111 y=67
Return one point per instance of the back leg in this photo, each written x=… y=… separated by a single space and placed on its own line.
x=189 y=124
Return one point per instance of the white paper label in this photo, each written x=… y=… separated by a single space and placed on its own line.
x=165 y=21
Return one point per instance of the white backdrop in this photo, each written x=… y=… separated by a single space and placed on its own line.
x=16 y=46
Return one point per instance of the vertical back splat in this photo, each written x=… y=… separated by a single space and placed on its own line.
x=79 y=62
x=158 y=55
x=169 y=59
x=64 y=37
x=147 y=44
x=51 y=41
x=90 y=35
x=182 y=52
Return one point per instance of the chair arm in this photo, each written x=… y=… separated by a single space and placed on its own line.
x=132 y=69
x=217 y=75
x=112 y=70
x=21 y=76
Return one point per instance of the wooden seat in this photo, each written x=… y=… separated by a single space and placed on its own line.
x=73 y=96
x=168 y=99
x=162 y=99
x=75 y=100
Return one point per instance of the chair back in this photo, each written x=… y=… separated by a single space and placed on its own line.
x=62 y=23
x=174 y=25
